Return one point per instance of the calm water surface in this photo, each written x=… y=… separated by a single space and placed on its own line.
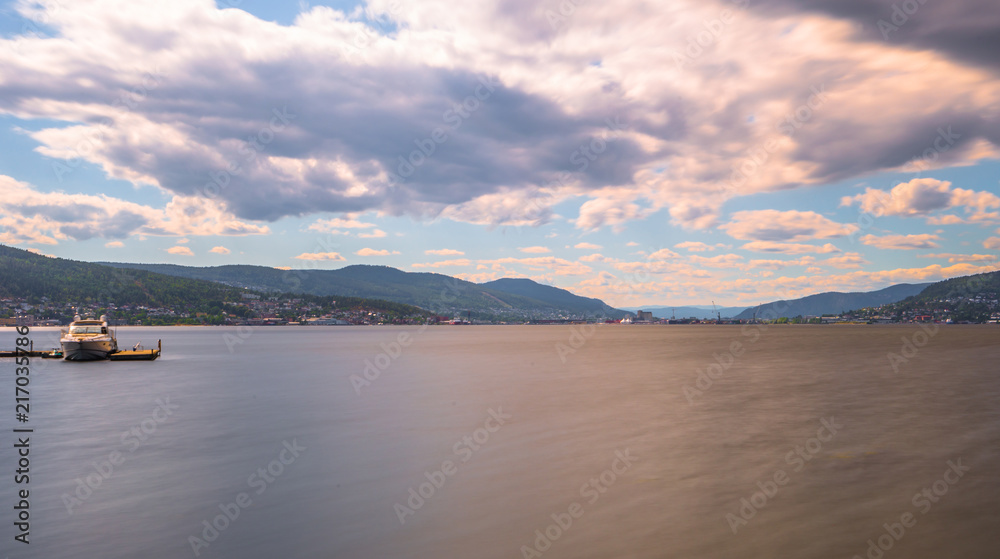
x=503 y=433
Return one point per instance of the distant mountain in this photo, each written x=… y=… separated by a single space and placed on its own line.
x=700 y=313
x=552 y=295
x=833 y=302
x=435 y=292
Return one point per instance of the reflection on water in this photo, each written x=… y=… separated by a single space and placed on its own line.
x=627 y=441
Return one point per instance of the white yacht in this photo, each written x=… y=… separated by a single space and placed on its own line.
x=88 y=340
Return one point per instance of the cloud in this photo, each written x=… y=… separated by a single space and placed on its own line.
x=373 y=252
x=220 y=250
x=114 y=244
x=444 y=252
x=992 y=243
x=901 y=242
x=30 y=216
x=782 y=226
x=848 y=260
x=320 y=256
x=720 y=261
x=920 y=197
x=376 y=234
x=845 y=103
x=182 y=250
x=534 y=250
x=789 y=248
x=40 y=253
x=596 y=257
x=587 y=246
x=663 y=254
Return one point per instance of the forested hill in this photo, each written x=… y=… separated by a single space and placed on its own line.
x=30 y=277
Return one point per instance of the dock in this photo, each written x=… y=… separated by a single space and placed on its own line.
x=135 y=355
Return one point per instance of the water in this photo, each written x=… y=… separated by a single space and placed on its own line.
x=571 y=405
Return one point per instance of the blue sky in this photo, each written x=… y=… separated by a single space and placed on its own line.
x=699 y=151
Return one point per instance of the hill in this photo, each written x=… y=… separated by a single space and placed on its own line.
x=833 y=302
x=57 y=284
x=965 y=299
x=512 y=299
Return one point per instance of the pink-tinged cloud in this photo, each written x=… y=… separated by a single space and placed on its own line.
x=376 y=234
x=374 y=252
x=114 y=244
x=992 y=243
x=182 y=250
x=220 y=250
x=784 y=226
x=920 y=197
x=789 y=248
x=720 y=261
x=901 y=242
x=534 y=250
x=663 y=254
x=694 y=246
x=955 y=258
x=320 y=256
x=848 y=260
x=444 y=252
x=587 y=246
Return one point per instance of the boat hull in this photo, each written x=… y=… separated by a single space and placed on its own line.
x=87 y=350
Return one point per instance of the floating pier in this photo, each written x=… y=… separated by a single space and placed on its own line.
x=137 y=354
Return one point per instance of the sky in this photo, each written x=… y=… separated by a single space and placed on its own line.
x=646 y=153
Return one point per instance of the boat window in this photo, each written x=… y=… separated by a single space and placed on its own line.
x=86 y=330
